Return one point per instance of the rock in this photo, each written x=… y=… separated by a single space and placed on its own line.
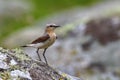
x=14 y=65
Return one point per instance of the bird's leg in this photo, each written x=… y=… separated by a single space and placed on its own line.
x=44 y=55
x=38 y=54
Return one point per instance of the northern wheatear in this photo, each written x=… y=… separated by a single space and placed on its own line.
x=44 y=41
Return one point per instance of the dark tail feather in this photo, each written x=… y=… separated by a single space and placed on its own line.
x=24 y=46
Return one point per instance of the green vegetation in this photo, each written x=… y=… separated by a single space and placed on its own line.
x=46 y=7
x=42 y=8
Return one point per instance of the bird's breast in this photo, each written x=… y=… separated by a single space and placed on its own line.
x=49 y=42
x=52 y=40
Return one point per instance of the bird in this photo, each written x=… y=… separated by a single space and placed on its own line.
x=45 y=41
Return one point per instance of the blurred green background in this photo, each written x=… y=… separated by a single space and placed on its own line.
x=38 y=9
x=88 y=41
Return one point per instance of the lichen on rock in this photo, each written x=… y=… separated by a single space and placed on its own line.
x=16 y=65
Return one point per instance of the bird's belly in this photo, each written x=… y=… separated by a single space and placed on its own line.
x=47 y=44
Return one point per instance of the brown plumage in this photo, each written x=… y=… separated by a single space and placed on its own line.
x=44 y=41
x=41 y=39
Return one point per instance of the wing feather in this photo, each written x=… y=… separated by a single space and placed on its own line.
x=41 y=39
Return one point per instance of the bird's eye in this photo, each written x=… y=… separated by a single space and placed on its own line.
x=51 y=26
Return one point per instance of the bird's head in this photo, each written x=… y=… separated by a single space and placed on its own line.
x=51 y=27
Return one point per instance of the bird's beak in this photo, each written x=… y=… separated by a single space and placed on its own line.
x=57 y=26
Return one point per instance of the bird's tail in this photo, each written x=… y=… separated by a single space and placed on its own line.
x=27 y=45
x=24 y=46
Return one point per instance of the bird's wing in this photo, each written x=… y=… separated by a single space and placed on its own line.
x=41 y=39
